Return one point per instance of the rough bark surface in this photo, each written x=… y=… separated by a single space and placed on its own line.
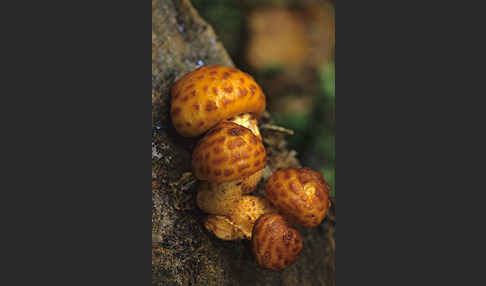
x=183 y=253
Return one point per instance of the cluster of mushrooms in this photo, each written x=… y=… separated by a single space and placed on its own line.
x=224 y=104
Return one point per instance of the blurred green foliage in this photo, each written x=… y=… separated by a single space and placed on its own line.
x=327 y=79
x=314 y=137
x=227 y=19
x=256 y=3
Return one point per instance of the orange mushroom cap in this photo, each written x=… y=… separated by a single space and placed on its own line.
x=228 y=152
x=300 y=194
x=274 y=243
x=204 y=97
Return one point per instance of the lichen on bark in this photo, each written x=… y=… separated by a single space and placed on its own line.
x=183 y=252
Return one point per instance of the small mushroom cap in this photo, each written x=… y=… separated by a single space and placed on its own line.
x=300 y=194
x=204 y=97
x=222 y=227
x=275 y=244
x=228 y=152
x=248 y=210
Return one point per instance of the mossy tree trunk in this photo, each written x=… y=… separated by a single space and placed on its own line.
x=183 y=253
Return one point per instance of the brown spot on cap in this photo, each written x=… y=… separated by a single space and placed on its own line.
x=235 y=157
x=320 y=194
x=294 y=187
x=252 y=89
x=211 y=105
x=220 y=139
x=189 y=87
x=243 y=92
x=228 y=172
x=245 y=155
x=228 y=89
x=226 y=101
x=226 y=75
x=287 y=174
x=235 y=143
x=236 y=132
x=176 y=111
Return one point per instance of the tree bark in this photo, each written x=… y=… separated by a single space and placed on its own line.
x=183 y=252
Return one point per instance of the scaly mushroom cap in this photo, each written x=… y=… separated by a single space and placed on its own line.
x=248 y=210
x=204 y=97
x=228 y=152
x=275 y=244
x=300 y=194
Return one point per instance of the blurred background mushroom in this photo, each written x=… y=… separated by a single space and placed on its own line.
x=288 y=46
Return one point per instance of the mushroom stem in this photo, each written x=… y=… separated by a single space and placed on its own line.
x=222 y=227
x=218 y=198
x=248 y=210
x=232 y=213
x=238 y=223
x=225 y=104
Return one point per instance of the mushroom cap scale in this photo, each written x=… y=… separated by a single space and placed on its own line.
x=204 y=97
